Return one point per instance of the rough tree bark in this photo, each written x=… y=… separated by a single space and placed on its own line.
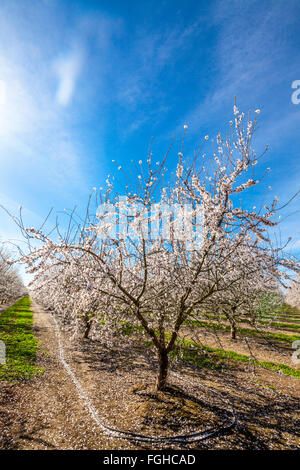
x=163 y=361
x=87 y=328
x=233 y=331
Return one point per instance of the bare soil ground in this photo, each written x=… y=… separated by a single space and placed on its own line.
x=47 y=413
x=4 y=307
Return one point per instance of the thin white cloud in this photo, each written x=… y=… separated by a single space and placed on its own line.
x=67 y=69
x=33 y=128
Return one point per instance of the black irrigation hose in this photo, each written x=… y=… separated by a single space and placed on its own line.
x=114 y=432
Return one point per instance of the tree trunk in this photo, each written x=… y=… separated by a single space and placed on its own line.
x=233 y=331
x=87 y=329
x=163 y=369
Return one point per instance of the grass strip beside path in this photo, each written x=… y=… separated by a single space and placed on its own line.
x=21 y=345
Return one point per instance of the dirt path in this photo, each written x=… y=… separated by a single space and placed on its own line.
x=55 y=417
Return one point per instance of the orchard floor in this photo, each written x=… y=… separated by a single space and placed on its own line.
x=4 y=307
x=47 y=412
x=261 y=349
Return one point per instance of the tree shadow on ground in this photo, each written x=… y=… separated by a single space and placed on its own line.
x=113 y=358
x=266 y=419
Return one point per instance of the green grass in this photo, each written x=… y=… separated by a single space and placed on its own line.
x=196 y=357
x=188 y=355
x=275 y=319
x=21 y=345
x=233 y=356
x=289 y=319
x=246 y=331
x=289 y=310
x=278 y=324
x=270 y=336
x=202 y=356
x=127 y=328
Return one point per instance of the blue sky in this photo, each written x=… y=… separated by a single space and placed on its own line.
x=85 y=83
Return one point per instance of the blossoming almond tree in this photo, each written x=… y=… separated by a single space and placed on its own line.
x=255 y=288
x=293 y=293
x=11 y=285
x=152 y=270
